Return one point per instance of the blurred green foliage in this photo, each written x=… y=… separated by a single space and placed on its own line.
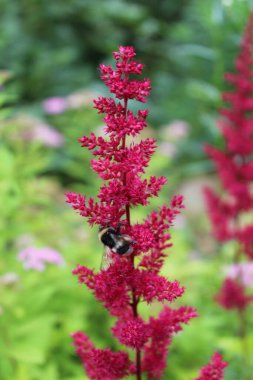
x=53 y=49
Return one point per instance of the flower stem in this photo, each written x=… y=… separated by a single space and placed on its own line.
x=138 y=351
x=135 y=301
x=242 y=322
x=244 y=340
x=134 y=304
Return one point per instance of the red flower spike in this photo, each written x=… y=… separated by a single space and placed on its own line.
x=213 y=370
x=230 y=211
x=101 y=364
x=122 y=285
x=234 y=163
x=162 y=330
x=232 y=295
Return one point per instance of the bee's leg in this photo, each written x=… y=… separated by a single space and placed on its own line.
x=120 y=224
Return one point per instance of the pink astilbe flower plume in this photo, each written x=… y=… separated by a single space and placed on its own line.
x=230 y=209
x=234 y=163
x=126 y=282
x=101 y=364
x=233 y=295
x=213 y=370
x=162 y=330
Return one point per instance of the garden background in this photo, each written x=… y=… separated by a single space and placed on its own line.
x=49 y=58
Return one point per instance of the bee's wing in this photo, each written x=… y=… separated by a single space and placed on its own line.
x=107 y=259
x=126 y=238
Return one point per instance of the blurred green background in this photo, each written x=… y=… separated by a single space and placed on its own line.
x=49 y=57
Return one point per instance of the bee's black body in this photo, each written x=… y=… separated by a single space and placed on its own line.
x=118 y=243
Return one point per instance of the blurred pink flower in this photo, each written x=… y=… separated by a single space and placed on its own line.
x=55 y=105
x=243 y=272
x=36 y=130
x=47 y=135
x=176 y=129
x=167 y=149
x=37 y=258
x=30 y=128
x=78 y=99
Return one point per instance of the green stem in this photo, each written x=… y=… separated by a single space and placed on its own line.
x=244 y=342
x=243 y=325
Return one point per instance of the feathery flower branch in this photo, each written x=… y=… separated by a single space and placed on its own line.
x=124 y=283
x=231 y=211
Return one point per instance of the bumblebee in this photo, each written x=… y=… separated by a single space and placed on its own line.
x=115 y=242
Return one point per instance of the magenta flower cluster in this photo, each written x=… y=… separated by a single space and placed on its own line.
x=214 y=369
x=230 y=211
x=121 y=162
